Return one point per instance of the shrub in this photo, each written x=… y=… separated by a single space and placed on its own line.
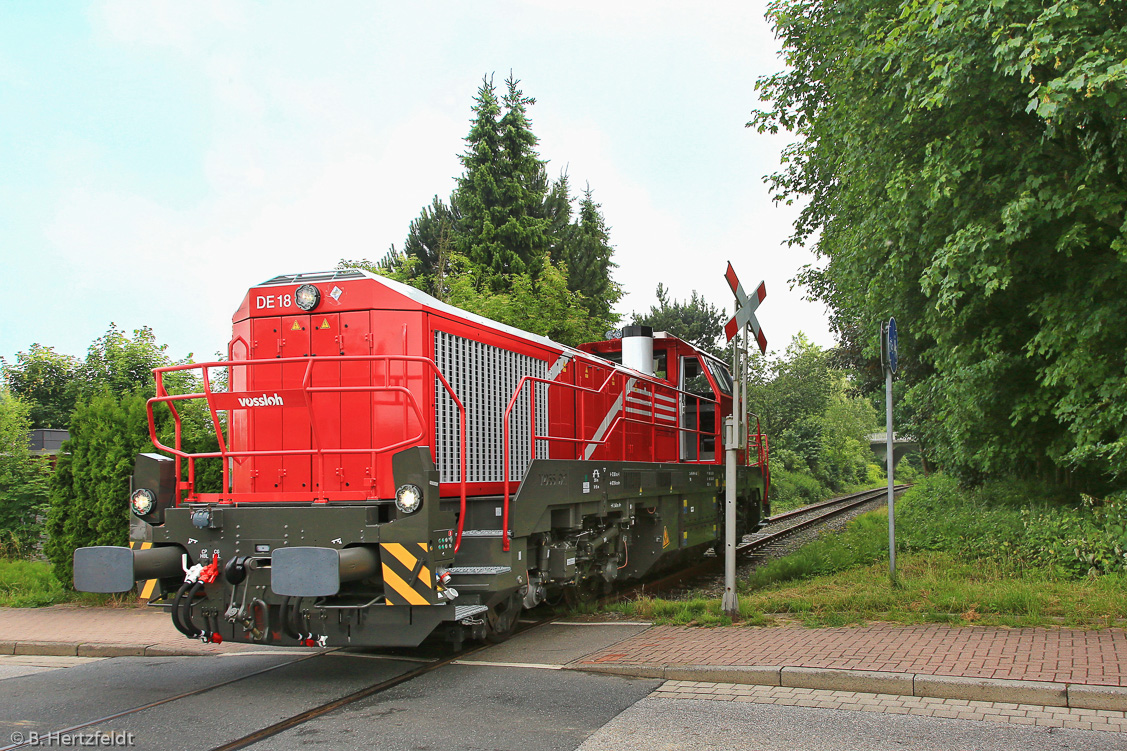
x=23 y=481
x=1016 y=522
x=90 y=488
x=791 y=489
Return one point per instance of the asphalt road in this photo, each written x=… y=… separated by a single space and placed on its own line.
x=480 y=702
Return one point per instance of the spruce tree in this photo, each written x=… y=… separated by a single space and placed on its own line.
x=558 y=211
x=525 y=188
x=479 y=195
x=589 y=261
x=501 y=194
x=425 y=258
x=697 y=321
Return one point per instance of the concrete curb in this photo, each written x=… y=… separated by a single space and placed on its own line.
x=1040 y=693
x=74 y=649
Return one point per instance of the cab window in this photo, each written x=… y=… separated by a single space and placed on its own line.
x=698 y=412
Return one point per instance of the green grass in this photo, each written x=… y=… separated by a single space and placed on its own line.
x=1002 y=555
x=931 y=588
x=31 y=584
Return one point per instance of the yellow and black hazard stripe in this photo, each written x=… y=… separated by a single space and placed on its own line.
x=145 y=588
x=408 y=580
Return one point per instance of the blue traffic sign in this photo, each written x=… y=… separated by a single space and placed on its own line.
x=891 y=346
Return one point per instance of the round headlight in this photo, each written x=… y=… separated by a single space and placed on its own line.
x=307 y=297
x=142 y=501
x=408 y=498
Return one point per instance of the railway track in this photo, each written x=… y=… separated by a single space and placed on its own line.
x=294 y=720
x=331 y=706
x=777 y=530
x=808 y=516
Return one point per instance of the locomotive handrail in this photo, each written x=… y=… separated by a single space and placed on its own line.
x=307 y=389
x=759 y=442
x=619 y=418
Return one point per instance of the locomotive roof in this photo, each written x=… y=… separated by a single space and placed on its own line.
x=433 y=303
x=417 y=295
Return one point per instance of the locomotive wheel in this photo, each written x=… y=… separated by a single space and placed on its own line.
x=501 y=620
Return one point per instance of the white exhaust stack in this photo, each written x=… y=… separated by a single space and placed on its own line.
x=638 y=348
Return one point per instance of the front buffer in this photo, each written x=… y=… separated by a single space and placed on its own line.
x=370 y=574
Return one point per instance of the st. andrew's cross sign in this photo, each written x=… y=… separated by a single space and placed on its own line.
x=745 y=313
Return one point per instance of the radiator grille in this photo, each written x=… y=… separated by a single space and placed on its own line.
x=484 y=378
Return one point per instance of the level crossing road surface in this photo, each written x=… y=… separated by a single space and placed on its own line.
x=516 y=695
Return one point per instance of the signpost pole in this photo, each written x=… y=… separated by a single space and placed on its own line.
x=731 y=603
x=735 y=432
x=890 y=463
x=889 y=356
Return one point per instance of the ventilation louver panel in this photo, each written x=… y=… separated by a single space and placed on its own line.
x=484 y=377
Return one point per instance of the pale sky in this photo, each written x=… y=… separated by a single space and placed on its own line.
x=159 y=158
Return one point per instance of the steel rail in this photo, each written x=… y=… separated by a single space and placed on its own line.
x=823 y=504
x=831 y=508
x=331 y=706
x=168 y=699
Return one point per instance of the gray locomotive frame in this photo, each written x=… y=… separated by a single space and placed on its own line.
x=575 y=526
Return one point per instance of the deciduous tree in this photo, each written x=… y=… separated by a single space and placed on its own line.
x=964 y=168
x=46 y=381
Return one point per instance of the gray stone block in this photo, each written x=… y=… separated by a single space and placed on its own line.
x=868 y=681
x=634 y=671
x=111 y=650
x=1082 y=696
x=987 y=689
x=57 y=648
x=756 y=675
x=159 y=651
x=7 y=647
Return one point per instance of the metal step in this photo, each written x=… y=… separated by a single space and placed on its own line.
x=466 y=611
x=478 y=570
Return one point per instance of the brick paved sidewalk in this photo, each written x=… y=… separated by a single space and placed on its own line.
x=957 y=709
x=67 y=629
x=1027 y=654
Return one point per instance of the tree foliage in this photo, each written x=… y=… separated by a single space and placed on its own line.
x=109 y=426
x=963 y=167
x=587 y=254
x=545 y=306
x=501 y=193
x=90 y=487
x=429 y=243
x=46 y=381
x=817 y=427
x=696 y=320
x=506 y=245
x=23 y=479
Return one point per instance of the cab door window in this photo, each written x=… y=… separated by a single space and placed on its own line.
x=698 y=412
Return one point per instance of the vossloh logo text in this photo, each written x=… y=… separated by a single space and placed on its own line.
x=261 y=401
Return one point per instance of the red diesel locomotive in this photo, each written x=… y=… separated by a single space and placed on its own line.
x=392 y=466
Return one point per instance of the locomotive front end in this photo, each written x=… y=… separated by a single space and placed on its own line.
x=328 y=527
